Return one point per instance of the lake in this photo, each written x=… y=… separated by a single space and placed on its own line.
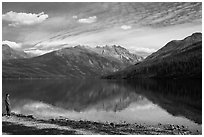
x=139 y=101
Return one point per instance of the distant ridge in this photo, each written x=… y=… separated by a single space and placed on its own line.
x=9 y=53
x=177 y=59
x=72 y=62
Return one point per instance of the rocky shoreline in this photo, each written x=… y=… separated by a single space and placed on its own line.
x=18 y=124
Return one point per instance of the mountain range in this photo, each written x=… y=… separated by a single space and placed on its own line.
x=9 y=53
x=78 y=61
x=177 y=59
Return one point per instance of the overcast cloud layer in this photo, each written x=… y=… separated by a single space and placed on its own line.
x=138 y=26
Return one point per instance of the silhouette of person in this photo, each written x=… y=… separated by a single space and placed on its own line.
x=8 y=105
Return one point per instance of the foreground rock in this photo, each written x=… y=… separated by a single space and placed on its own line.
x=19 y=124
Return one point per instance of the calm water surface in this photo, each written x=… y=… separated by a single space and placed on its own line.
x=139 y=101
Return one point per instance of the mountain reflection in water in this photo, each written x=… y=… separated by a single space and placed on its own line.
x=147 y=101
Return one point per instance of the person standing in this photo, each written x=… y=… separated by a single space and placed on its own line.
x=8 y=105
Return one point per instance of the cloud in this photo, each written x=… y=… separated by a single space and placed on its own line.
x=37 y=52
x=88 y=20
x=147 y=50
x=18 y=19
x=125 y=27
x=74 y=17
x=51 y=44
x=13 y=45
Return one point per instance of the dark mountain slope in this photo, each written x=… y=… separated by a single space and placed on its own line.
x=177 y=59
x=9 y=53
x=69 y=62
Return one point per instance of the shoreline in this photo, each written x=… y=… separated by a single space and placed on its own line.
x=18 y=124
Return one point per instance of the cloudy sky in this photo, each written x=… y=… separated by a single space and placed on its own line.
x=137 y=26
